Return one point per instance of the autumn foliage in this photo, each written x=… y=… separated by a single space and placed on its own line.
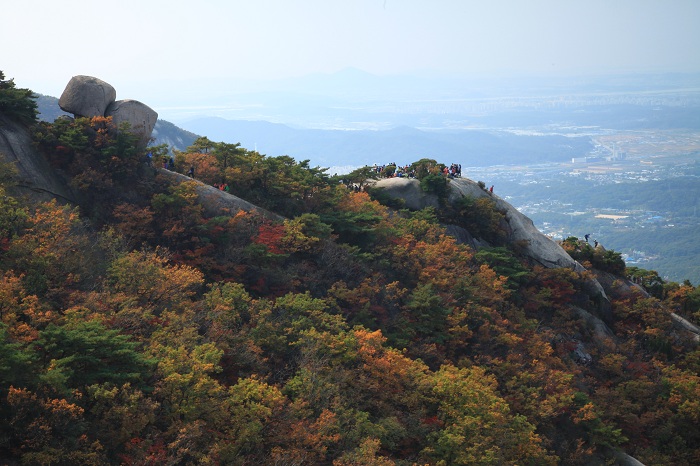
x=136 y=329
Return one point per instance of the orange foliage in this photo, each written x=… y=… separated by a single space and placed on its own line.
x=270 y=235
x=206 y=167
x=104 y=130
x=41 y=425
x=385 y=372
x=308 y=440
x=134 y=223
x=155 y=283
x=361 y=203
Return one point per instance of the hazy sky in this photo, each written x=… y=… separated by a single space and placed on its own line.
x=43 y=43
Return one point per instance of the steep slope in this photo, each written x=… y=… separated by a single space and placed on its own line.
x=36 y=178
x=521 y=229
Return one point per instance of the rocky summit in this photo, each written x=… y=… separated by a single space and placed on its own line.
x=87 y=96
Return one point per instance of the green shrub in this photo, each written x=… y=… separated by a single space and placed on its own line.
x=481 y=218
x=435 y=184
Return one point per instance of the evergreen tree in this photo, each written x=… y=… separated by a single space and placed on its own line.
x=19 y=104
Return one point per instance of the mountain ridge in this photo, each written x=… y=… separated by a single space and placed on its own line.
x=380 y=320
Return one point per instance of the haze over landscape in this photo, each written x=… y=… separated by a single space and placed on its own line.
x=143 y=45
x=482 y=84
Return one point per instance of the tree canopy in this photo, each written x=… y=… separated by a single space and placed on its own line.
x=15 y=102
x=136 y=328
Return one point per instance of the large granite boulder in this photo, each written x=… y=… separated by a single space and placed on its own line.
x=86 y=96
x=141 y=117
x=521 y=230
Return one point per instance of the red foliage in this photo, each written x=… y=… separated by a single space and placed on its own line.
x=144 y=453
x=270 y=235
x=639 y=368
x=432 y=421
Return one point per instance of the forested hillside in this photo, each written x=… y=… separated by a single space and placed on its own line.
x=136 y=329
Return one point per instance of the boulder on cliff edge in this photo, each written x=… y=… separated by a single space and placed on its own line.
x=140 y=117
x=86 y=96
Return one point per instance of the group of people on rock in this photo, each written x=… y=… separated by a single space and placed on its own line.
x=407 y=171
x=168 y=164
x=587 y=236
x=399 y=172
x=455 y=171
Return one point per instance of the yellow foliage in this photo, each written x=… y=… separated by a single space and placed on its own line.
x=155 y=282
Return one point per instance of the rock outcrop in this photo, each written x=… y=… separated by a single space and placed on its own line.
x=535 y=245
x=86 y=96
x=409 y=191
x=686 y=325
x=39 y=181
x=520 y=229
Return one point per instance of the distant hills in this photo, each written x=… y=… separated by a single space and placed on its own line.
x=328 y=148
x=356 y=118
x=401 y=145
x=174 y=136
x=353 y=118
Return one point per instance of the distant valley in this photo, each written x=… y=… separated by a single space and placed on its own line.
x=646 y=208
x=355 y=148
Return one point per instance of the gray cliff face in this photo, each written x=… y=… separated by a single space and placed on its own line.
x=36 y=178
x=535 y=245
